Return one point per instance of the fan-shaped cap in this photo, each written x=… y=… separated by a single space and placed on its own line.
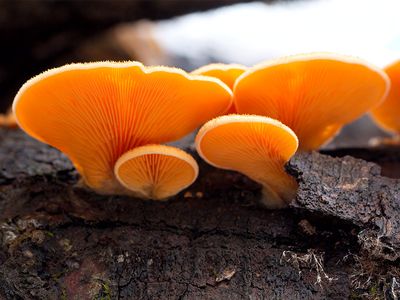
x=95 y=112
x=387 y=115
x=256 y=146
x=314 y=94
x=156 y=171
x=227 y=73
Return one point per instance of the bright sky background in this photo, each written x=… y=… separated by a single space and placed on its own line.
x=250 y=33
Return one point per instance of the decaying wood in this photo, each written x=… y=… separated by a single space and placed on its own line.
x=212 y=241
x=352 y=190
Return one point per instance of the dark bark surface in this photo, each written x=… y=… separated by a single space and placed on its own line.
x=60 y=241
x=353 y=190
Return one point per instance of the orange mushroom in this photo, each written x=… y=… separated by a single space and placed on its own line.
x=8 y=120
x=156 y=171
x=387 y=115
x=314 y=94
x=227 y=73
x=256 y=146
x=95 y=112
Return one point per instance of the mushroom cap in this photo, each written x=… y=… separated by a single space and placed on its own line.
x=95 y=112
x=156 y=171
x=387 y=115
x=313 y=94
x=256 y=146
x=227 y=73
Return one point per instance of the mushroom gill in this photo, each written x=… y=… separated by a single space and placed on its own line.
x=95 y=112
x=156 y=171
x=313 y=94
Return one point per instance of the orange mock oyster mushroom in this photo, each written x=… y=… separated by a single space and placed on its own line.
x=95 y=112
x=256 y=146
x=314 y=94
x=387 y=115
x=227 y=73
x=156 y=171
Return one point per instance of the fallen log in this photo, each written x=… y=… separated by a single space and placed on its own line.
x=61 y=241
x=352 y=190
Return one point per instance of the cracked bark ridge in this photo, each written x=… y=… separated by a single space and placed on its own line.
x=353 y=190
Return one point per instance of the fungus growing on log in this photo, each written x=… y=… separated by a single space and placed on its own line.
x=156 y=171
x=313 y=94
x=256 y=146
x=95 y=112
x=387 y=115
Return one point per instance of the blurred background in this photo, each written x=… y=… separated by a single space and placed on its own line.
x=36 y=35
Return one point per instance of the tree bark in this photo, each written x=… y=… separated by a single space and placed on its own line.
x=339 y=239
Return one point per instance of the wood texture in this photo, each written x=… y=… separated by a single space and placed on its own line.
x=60 y=241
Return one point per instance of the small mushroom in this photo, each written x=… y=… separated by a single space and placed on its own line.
x=95 y=112
x=387 y=115
x=227 y=73
x=314 y=94
x=8 y=120
x=256 y=146
x=156 y=171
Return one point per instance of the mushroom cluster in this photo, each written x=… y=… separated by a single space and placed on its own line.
x=298 y=101
x=111 y=118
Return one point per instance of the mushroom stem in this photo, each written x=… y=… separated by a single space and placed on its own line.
x=279 y=194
